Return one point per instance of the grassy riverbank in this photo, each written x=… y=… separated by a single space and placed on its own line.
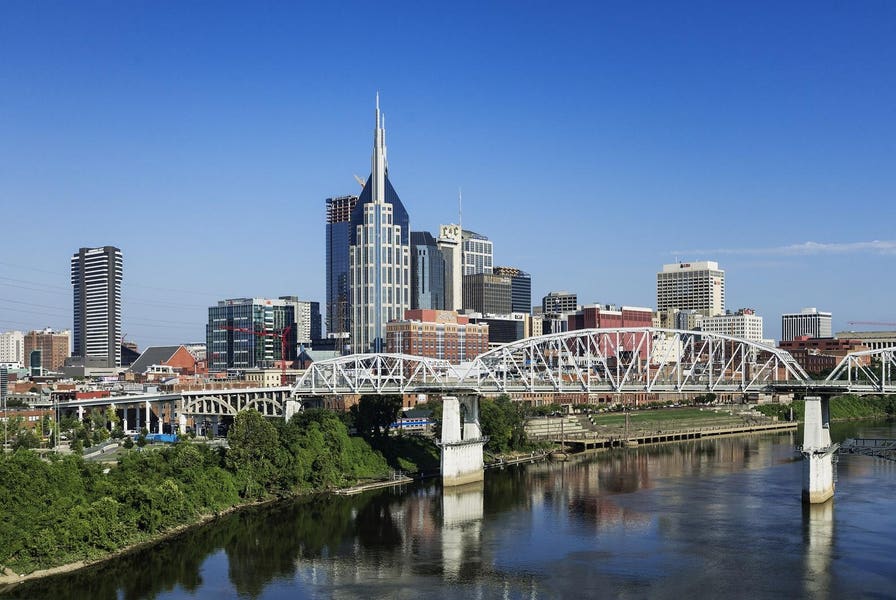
x=843 y=408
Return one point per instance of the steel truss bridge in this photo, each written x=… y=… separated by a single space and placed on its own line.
x=624 y=360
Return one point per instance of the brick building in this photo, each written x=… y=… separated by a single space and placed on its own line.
x=53 y=346
x=821 y=355
x=607 y=316
x=437 y=334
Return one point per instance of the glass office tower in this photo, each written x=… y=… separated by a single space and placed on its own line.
x=338 y=309
x=427 y=272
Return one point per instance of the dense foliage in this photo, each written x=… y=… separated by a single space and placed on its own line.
x=842 y=407
x=65 y=509
x=374 y=414
x=504 y=422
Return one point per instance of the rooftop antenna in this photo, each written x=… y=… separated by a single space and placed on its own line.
x=460 y=211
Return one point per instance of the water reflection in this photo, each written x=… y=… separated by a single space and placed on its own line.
x=718 y=515
x=818 y=533
x=462 y=510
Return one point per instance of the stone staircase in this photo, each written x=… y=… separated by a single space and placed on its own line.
x=551 y=427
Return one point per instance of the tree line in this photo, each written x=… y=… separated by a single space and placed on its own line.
x=62 y=509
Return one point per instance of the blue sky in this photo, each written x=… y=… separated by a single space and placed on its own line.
x=593 y=143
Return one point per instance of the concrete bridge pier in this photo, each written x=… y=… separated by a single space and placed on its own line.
x=462 y=440
x=290 y=407
x=818 y=451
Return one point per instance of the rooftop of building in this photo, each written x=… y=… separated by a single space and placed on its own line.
x=704 y=265
x=153 y=355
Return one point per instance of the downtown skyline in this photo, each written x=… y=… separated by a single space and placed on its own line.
x=592 y=146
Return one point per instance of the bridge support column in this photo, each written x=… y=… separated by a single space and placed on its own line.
x=818 y=452
x=290 y=407
x=462 y=440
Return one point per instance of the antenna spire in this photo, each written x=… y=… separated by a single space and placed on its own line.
x=460 y=211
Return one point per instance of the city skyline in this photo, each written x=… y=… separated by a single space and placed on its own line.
x=591 y=148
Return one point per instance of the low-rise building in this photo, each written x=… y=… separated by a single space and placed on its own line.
x=177 y=359
x=873 y=340
x=608 y=316
x=437 y=334
x=821 y=355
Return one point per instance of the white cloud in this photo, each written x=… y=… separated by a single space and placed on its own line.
x=803 y=249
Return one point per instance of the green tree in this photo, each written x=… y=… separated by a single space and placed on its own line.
x=112 y=419
x=373 y=414
x=24 y=439
x=252 y=453
x=504 y=422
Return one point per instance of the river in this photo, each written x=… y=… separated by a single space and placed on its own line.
x=709 y=518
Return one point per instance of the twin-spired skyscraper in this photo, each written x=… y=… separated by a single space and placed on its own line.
x=379 y=253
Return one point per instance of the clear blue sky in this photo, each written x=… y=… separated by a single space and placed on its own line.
x=593 y=143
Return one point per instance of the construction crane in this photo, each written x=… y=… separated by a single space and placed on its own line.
x=883 y=323
x=282 y=336
x=360 y=181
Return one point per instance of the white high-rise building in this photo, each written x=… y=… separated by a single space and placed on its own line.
x=12 y=347
x=809 y=321
x=478 y=253
x=450 y=243
x=96 y=283
x=698 y=286
x=379 y=254
x=744 y=324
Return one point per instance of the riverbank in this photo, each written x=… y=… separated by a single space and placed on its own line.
x=10 y=579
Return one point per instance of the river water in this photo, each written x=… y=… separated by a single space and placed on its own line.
x=707 y=519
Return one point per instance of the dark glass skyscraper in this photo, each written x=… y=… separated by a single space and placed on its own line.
x=520 y=288
x=427 y=272
x=338 y=310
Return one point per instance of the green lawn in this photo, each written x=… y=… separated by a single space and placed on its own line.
x=674 y=415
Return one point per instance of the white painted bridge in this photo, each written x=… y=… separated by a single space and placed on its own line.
x=624 y=360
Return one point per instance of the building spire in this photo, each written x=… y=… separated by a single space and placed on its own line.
x=378 y=160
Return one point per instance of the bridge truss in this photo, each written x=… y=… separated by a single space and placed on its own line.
x=621 y=360
x=376 y=374
x=867 y=370
x=633 y=360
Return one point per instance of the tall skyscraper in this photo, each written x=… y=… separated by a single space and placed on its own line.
x=450 y=243
x=379 y=254
x=478 y=253
x=427 y=272
x=698 y=286
x=520 y=288
x=96 y=282
x=229 y=343
x=809 y=321
x=339 y=216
